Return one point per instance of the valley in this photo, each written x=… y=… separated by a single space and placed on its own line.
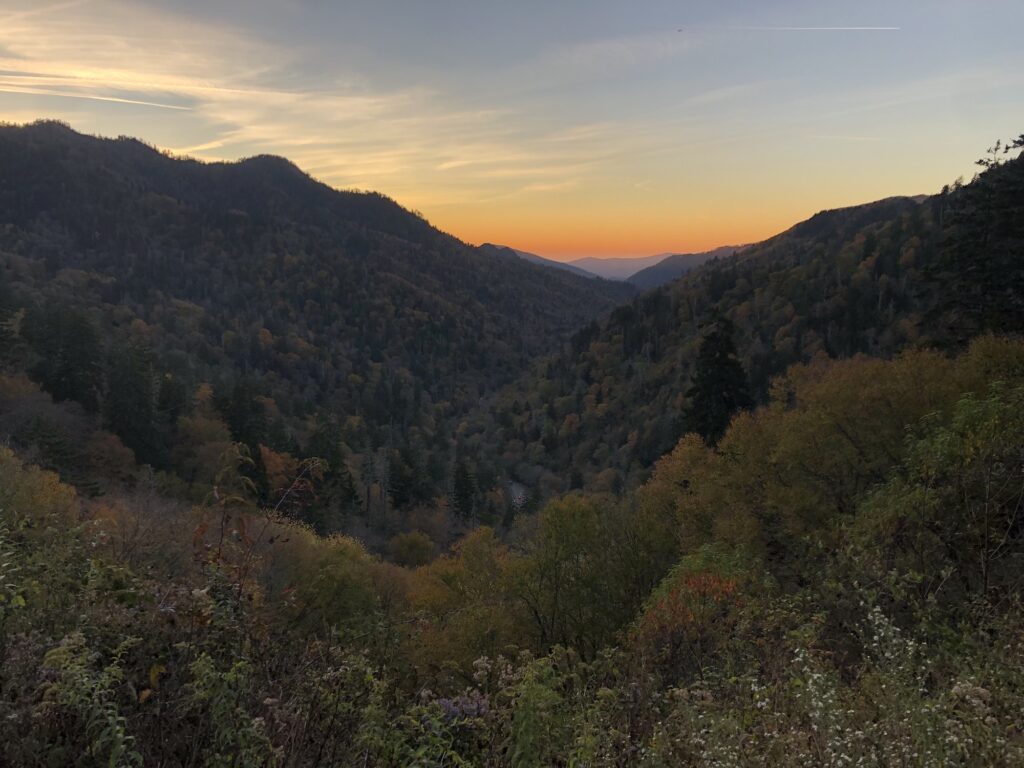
x=289 y=476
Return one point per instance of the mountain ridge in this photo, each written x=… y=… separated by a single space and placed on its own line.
x=507 y=251
x=330 y=301
x=676 y=265
x=846 y=281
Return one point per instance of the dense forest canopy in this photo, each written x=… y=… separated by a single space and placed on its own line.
x=769 y=513
x=874 y=279
x=300 y=306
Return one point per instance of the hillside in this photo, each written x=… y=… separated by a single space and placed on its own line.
x=675 y=266
x=288 y=296
x=817 y=583
x=505 y=251
x=826 y=584
x=872 y=279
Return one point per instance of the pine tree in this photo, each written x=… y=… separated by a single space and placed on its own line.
x=245 y=415
x=131 y=403
x=336 y=495
x=979 y=270
x=720 y=387
x=463 y=491
x=11 y=344
x=68 y=350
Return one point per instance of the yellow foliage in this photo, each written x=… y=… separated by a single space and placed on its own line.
x=33 y=493
x=466 y=606
x=832 y=431
x=411 y=549
x=318 y=582
x=281 y=469
x=15 y=386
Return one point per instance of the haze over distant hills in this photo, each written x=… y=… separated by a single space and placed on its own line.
x=642 y=271
x=506 y=251
x=677 y=265
x=617 y=268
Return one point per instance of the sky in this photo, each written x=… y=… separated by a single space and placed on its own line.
x=568 y=128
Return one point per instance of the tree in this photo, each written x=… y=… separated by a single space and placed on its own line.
x=958 y=505
x=131 y=403
x=68 y=348
x=720 y=387
x=463 y=490
x=11 y=344
x=979 y=268
x=336 y=495
x=411 y=549
x=246 y=416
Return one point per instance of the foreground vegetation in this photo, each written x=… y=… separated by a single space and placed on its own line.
x=837 y=582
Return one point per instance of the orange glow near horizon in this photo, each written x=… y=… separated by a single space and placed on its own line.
x=570 y=129
x=565 y=230
x=614 y=239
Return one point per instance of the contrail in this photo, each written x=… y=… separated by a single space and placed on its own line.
x=4 y=88
x=793 y=29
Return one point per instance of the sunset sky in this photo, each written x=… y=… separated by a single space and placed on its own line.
x=569 y=128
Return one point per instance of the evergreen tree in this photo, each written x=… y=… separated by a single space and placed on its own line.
x=463 y=491
x=336 y=494
x=980 y=265
x=11 y=345
x=720 y=386
x=172 y=399
x=245 y=415
x=68 y=350
x=131 y=403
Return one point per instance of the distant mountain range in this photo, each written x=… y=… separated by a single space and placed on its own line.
x=677 y=265
x=506 y=251
x=844 y=282
x=285 y=305
x=617 y=268
x=643 y=271
x=322 y=301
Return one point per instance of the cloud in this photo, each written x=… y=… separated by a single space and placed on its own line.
x=845 y=137
x=729 y=93
x=555 y=186
x=597 y=59
x=412 y=141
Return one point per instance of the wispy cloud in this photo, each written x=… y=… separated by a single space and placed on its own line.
x=618 y=52
x=554 y=186
x=39 y=10
x=846 y=137
x=615 y=113
x=413 y=141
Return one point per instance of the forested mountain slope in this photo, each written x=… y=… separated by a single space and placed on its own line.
x=675 y=266
x=824 y=588
x=317 y=300
x=834 y=579
x=872 y=279
x=511 y=253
